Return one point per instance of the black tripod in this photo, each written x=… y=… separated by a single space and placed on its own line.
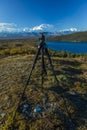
x=43 y=49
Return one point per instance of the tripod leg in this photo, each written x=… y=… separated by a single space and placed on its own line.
x=42 y=67
x=35 y=60
x=52 y=68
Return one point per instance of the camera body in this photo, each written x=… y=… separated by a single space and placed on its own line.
x=42 y=38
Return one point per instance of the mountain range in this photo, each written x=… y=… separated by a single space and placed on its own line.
x=10 y=30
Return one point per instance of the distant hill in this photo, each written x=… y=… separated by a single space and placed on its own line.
x=75 y=37
x=66 y=35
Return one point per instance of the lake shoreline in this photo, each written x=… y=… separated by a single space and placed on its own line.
x=74 y=47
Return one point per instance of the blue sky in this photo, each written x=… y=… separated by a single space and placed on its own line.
x=29 y=13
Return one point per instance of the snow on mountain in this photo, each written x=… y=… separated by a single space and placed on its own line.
x=42 y=27
x=73 y=29
x=11 y=29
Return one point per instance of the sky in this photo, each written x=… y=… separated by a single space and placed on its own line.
x=62 y=14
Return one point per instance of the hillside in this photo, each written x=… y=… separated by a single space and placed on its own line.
x=75 y=37
x=63 y=105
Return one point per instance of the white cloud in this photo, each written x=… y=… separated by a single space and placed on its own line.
x=9 y=27
x=69 y=29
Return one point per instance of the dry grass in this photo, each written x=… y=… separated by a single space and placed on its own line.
x=67 y=104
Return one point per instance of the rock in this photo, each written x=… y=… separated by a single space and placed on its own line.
x=3 y=114
x=37 y=109
x=72 y=92
x=25 y=107
x=31 y=90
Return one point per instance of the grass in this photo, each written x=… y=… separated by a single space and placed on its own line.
x=67 y=101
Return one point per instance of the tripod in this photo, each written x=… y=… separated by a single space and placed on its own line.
x=43 y=49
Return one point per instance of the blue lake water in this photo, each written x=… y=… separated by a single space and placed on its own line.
x=75 y=47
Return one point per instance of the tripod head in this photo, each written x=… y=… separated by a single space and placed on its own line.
x=42 y=38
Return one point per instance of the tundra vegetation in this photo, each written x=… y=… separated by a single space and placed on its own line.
x=66 y=102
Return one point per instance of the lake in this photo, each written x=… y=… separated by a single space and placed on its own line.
x=75 y=47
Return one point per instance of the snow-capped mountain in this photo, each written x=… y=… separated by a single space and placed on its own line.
x=11 y=30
